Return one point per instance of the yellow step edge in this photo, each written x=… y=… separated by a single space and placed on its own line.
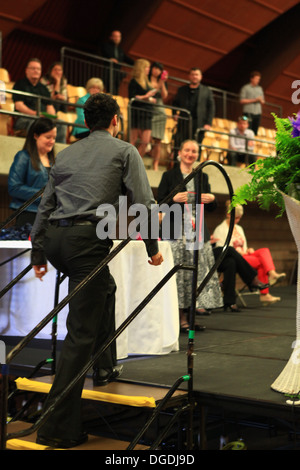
x=42 y=387
x=19 y=444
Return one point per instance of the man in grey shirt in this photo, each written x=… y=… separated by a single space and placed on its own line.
x=252 y=98
x=91 y=172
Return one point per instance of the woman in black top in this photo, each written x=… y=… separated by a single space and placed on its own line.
x=141 y=111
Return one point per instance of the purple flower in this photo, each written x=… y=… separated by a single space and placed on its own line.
x=296 y=125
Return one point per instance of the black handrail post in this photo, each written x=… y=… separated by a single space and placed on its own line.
x=54 y=323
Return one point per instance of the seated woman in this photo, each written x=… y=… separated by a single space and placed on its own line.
x=260 y=259
x=30 y=169
x=211 y=296
x=56 y=83
x=232 y=264
x=93 y=85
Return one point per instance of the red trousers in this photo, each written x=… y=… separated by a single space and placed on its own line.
x=262 y=261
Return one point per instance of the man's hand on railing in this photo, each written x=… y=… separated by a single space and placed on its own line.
x=157 y=259
x=40 y=271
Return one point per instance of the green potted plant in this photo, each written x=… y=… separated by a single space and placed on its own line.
x=276 y=180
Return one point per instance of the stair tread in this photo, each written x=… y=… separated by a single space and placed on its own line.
x=93 y=442
x=115 y=392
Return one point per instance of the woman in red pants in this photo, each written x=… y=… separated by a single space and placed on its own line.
x=260 y=259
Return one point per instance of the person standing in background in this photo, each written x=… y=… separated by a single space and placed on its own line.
x=198 y=100
x=252 y=98
x=158 y=77
x=112 y=50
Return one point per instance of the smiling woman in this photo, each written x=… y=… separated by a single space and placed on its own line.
x=181 y=246
x=30 y=169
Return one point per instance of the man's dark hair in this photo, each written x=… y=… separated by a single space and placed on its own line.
x=99 y=110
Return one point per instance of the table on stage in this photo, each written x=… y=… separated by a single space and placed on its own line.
x=154 y=331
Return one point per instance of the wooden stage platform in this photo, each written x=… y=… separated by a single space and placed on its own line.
x=236 y=360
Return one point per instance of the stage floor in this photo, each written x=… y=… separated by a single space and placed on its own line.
x=236 y=360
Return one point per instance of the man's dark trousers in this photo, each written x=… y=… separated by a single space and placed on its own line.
x=76 y=251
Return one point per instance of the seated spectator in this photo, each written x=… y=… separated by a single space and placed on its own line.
x=30 y=169
x=93 y=85
x=28 y=104
x=56 y=83
x=141 y=111
x=260 y=259
x=232 y=264
x=239 y=144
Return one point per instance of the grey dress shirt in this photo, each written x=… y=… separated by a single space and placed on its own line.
x=93 y=171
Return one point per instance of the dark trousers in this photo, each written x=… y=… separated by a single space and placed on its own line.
x=233 y=264
x=254 y=121
x=75 y=251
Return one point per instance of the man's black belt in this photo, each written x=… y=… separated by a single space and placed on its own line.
x=71 y=222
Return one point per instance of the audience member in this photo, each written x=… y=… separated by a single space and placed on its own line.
x=30 y=169
x=198 y=100
x=239 y=144
x=260 y=259
x=141 y=110
x=232 y=264
x=27 y=104
x=56 y=83
x=93 y=85
x=182 y=250
x=252 y=99
x=112 y=50
x=158 y=77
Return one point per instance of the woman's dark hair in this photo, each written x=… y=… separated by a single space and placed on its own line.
x=38 y=127
x=99 y=110
x=158 y=65
x=48 y=75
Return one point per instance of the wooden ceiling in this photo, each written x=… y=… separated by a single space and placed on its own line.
x=226 y=39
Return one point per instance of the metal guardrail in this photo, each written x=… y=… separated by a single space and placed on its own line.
x=39 y=99
x=80 y=66
x=228 y=149
x=56 y=118
x=195 y=292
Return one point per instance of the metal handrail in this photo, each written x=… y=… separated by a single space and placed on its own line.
x=40 y=98
x=228 y=149
x=133 y=315
x=226 y=95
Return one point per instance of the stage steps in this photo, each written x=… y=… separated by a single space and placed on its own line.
x=93 y=442
x=118 y=392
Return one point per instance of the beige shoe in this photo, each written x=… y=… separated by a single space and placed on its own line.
x=269 y=300
x=276 y=279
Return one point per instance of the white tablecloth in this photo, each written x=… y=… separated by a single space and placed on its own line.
x=154 y=331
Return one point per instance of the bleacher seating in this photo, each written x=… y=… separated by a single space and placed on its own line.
x=217 y=139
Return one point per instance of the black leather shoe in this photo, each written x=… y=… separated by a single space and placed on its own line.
x=233 y=308
x=104 y=376
x=203 y=311
x=257 y=286
x=61 y=443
